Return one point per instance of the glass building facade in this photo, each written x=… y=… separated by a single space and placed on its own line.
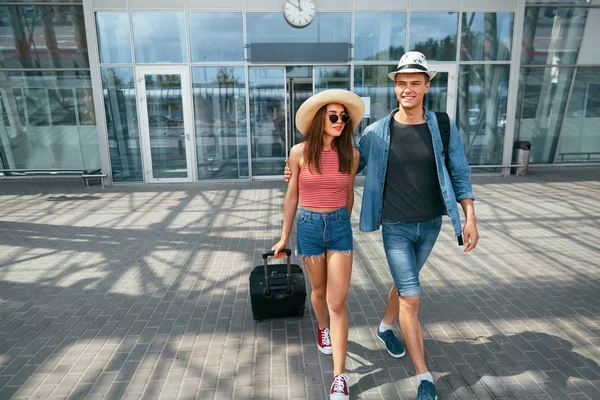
x=186 y=90
x=46 y=97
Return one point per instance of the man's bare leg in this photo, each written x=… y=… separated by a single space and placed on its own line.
x=392 y=308
x=385 y=331
x=412 y=332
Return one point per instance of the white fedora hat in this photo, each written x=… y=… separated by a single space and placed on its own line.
x=307 y=111
x=412 y=62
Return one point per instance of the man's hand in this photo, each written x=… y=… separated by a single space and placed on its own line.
x=287 y=171
x=471 y=236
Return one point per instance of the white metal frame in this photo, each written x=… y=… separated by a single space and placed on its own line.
x=513 y=88
x=89 y=14
x=188 y=120
x=451 y=70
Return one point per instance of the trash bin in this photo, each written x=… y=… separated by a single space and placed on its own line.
x=521 y=150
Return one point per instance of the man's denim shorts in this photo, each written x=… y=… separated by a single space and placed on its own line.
x=407 y=246
x=318 y=233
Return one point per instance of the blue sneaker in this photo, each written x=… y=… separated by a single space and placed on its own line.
x=392 y=344
x=426 y=391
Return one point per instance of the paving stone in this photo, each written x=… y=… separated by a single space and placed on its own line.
x=140 y=291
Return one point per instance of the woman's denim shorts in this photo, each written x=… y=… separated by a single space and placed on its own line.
x=318 y=233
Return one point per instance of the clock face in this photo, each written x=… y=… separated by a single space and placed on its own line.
x=299 y=13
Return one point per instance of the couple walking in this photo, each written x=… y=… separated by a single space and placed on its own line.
x=409 y=186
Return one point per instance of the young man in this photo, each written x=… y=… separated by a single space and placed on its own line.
x=407 y=189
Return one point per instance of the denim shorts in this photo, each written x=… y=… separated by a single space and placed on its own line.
x=407 y=246
x=318 y=233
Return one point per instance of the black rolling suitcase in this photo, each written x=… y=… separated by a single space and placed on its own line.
x=277 y=290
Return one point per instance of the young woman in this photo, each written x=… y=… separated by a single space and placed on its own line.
x=323 y=171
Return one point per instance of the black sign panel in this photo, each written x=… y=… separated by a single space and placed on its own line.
x=299 y=52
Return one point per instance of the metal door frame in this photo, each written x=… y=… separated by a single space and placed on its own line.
x=290 y=134
x=188 y=121
x=451 y=98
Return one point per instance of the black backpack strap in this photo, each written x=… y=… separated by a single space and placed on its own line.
x=444 y=123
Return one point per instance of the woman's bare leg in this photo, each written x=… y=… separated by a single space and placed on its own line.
x=317 y=275
x=339 y=270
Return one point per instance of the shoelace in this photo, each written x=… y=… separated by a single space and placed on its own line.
x=339 y=384
x=389 y=333
x=325 y=338
x=425 y=390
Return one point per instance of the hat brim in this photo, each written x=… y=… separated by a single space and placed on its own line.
x=307 y=111
x=392 y=75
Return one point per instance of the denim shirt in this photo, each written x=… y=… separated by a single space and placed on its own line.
x=374 y=146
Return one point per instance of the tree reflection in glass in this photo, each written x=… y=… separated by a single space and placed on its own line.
x=434 y=34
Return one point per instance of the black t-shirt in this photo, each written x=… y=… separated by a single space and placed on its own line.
x=412 y=189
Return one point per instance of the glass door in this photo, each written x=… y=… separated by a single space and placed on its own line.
x=442 y=92
x=268 y=122
x=302 y=82
x=275 y=94
x=166 y=123
x=299 y=87
x=298 y=91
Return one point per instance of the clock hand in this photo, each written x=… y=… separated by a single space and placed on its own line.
x=297 y=6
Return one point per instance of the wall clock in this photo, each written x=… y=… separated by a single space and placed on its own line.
x=299 y=13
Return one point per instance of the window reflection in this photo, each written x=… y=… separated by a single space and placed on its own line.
x=220 y=110
x=552 y=35
x=379 y=36
x=216 y=37
x=62 y=109
x=272 y=28
x=481 y=115
x=372 y=82
x=159 y=37
x=267 y=120
x=122 y=124
x=37 y=106
x=41 y=124
x=580 y=136
x=331 y=78
x=85 y=106
x=434 y=34
x=42 y=37
x=541 y=104
x=486 y=36
x=437 y=95
x=113 y=37
x=166 y=126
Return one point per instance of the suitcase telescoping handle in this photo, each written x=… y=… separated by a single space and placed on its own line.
x=271 y=253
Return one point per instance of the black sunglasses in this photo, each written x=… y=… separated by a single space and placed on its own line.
x=334 y=118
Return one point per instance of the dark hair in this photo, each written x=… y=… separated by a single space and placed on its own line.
x=342 y=143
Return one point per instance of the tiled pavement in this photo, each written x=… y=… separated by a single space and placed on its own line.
x=140 y=291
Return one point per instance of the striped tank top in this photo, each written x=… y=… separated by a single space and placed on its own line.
x=329 y=189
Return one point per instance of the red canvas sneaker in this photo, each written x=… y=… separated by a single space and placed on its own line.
x=339 y=388
x=324 y=341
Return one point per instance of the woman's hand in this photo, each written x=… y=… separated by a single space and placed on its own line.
x=282 y=244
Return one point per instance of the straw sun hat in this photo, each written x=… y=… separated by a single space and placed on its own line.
x=307 y=111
